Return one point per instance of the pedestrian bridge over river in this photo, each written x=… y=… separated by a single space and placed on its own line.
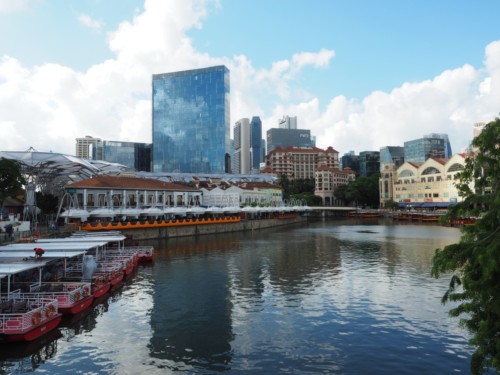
x=330 y=210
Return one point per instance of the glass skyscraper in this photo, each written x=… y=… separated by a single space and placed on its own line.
x=256 y=143
x=419 y=150
x=136 y=156
x=191 y=125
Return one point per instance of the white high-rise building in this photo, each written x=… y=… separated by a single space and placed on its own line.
x=288 y=122
x=84 y=147
x=242 y=156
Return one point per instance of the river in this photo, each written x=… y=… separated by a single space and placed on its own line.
x=333 y=297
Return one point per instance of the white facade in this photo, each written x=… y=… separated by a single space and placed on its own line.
x=431 y=181
x=242 y=156
x=236 y=196
x=327 y=179
x=84 y=146
x=288 y=122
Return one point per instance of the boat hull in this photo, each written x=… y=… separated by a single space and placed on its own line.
x=32 y=333
x=76 y=307
x=101 y=290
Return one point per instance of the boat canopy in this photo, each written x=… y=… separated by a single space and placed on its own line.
x=81 y=245
x=82 y=239
x=8 y=269
x=20 y=255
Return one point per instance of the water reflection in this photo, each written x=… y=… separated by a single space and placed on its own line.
x=336 y=297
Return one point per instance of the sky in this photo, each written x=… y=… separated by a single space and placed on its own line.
x=360 y=74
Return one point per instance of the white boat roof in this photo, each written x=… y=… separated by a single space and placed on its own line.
x=51 y=246
x=82 y=239
x=6 y=256
x=7 y=269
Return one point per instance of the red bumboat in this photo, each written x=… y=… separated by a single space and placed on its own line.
x=29 y=319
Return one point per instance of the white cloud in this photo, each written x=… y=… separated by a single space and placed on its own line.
x=48 y=106
x=89 y=22
x=10 y=6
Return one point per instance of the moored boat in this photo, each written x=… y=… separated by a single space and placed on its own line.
x=27 y=318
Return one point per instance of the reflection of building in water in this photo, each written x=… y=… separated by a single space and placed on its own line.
x=191 y=319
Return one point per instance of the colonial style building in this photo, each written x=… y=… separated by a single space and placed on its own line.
x=428 y=184
x=301 y=162
x=242 y=194
x=327 y=179
x=118 y=194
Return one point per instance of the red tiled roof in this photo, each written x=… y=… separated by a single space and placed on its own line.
x=300 y=149
x=116 y=182
x=441 y=161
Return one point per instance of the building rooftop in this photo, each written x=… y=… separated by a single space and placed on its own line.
x=118 y=182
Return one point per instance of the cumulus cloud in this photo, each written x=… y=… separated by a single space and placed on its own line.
x=48 y=106
x=9 y=6
x=89 y=22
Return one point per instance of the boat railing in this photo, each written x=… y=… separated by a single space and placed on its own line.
x=26 y=312
x=66 y=293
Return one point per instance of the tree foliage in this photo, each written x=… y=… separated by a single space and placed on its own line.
x=475 y=260
x=47 y=202
x=11 y=179
x=308 y=198
x=364 y=191
x=294 y=187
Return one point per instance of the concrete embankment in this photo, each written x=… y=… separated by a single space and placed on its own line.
x=199 y=230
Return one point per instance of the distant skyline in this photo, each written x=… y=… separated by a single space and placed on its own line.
x=360 y=75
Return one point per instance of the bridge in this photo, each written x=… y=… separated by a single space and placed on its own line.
x=332 y=208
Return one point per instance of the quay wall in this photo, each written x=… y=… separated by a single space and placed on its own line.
x=199 y=230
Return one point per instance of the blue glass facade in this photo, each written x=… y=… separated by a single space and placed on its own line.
x=191 y=128
x=136 y=156
x=392 y=154
x=277 y=137
x=256 y=142
x=419 y=150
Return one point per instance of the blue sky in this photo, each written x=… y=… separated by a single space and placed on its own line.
x=360 y=74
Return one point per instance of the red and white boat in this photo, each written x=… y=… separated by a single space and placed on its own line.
x=24 y=318
x=72 y=297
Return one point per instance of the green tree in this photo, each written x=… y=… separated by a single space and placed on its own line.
x=475 y=260
x=363 y=190
x=294 y=187
x=11 y=179
x=341 y=193
x=285 y=184
x=47 y=202
x=309 y=198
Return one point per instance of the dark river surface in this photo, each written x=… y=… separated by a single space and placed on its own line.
x=331 y=297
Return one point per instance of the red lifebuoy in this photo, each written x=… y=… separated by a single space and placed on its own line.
x=49 y=312
x=36 y=318
x=76 y=296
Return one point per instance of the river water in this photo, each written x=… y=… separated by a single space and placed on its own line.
x=331 y=297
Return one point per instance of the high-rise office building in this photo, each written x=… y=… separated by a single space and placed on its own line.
x=256 y=144
x=447 y=145
x=191 y=125
x=136 y=156
x=350 y=160
x=85 y=146
x=288 y=138
x=419 y=150
x=288 y=122
x=369 y=163
x=242 y=159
